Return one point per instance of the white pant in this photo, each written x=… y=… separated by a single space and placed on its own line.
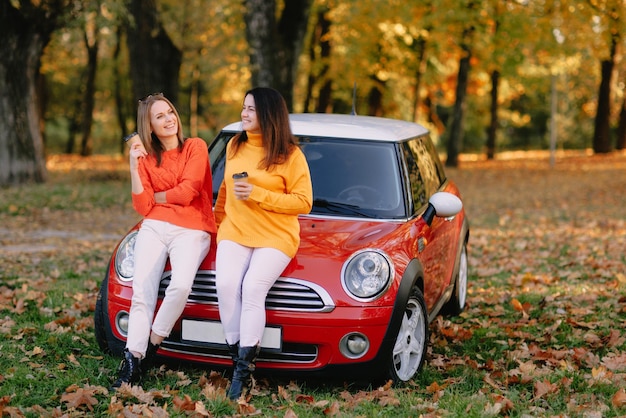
x=156 y=241
x=244 y=276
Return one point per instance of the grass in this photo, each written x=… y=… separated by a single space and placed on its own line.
x=543 y=333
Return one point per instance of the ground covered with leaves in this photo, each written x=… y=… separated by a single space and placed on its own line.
x=544 y=332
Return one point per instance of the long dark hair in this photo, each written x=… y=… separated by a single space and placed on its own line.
x=273 y=118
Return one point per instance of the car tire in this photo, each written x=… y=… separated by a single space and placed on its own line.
x=409 y=350
x=457 y=301
x=107 y=342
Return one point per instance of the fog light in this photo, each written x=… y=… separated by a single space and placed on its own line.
x=121 y=321
x=354 y=345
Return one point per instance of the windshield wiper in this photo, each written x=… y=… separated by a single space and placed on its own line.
x=340 y=207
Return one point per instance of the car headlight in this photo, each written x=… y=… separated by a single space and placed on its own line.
x=367 y=274
x=125 y=257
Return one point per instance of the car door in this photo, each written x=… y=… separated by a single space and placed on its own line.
x=435 y=245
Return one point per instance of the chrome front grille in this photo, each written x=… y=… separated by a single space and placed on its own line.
x=290 y=353
x=286 y=294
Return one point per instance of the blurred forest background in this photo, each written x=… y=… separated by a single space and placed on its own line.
x=484 y=76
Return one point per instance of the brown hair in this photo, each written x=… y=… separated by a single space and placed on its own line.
x=150 y=141
x=273 y=118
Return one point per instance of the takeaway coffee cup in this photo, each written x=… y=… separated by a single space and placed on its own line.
x=240 y=177
x=243 y=176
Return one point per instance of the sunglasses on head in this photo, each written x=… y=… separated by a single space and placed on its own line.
x=143 y=99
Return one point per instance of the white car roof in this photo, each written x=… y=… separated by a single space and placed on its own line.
x=349 y=126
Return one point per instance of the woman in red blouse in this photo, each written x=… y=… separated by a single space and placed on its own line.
x=172 y=189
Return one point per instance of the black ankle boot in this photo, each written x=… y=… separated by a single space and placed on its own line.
x=148 y=361
x=129 y=370
x=243 y=370
x=234 y=351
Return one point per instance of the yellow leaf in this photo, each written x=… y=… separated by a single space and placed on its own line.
x=517 y=305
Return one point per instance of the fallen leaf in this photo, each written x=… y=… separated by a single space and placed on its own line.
x=73 y=360
x=201 y=410
x=306 y=399
x=289 y=413
x=544 y=387
x=184 y=404
x=82 y=397
x=619 y=398
x=333 y=409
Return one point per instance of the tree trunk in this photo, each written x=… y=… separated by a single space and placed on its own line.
x=492 y=130
x=275 y=48
x=620 y=141
x=262 y=40
x=493 y=125
x=375 y=98
x=318 y=73
x=420 y=46
x=74 y=116
x=432 y=116
x=92 y=44
x=72 y=127
x=324 y=102
x=456 y=130
x=120 y=109
x=25 y=31
x=602 y=126
x=455 y=139
x=194 y=94
x=154 y=59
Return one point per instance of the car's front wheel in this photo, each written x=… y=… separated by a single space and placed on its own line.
x=107 y=342
x=409 y=350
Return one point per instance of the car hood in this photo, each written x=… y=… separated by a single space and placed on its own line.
x=326 y=244
x=337 y=236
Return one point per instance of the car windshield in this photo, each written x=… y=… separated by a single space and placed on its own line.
x=353 y=178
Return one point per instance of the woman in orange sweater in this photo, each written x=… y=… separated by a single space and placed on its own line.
x=172 y=189
x=259 y=232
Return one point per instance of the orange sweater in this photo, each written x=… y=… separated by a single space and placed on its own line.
x=185 y=177
x=269 y=217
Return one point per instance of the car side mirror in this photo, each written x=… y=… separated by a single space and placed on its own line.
x=442 y=204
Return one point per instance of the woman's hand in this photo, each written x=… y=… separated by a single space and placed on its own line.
x=242 y=190
x=159 y=197
x=137 y=151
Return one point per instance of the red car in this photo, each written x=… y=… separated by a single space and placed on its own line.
x=383 y=251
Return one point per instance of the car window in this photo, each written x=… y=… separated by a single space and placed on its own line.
x=434 y=167
x=217 y=158
x=363 y=174
x=349 y=177
x=424 y=168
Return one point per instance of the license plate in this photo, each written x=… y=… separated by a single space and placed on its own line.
x=212 y=332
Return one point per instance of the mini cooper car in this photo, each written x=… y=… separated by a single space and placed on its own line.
x=382 y=253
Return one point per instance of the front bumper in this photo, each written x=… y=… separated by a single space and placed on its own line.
x=312 y=328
